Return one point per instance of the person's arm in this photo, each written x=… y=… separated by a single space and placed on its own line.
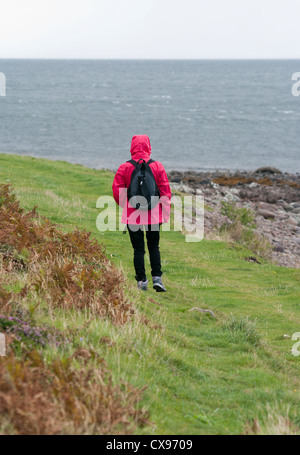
x=165 y=193
x=163 y=183
x=119 y=184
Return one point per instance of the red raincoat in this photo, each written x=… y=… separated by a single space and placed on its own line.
x=141 y=149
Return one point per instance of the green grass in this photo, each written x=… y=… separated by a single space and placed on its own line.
x=204 y=375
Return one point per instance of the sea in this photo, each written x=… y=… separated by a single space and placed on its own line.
x=199 y=114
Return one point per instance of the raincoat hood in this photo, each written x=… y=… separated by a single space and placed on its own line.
x=140 y=147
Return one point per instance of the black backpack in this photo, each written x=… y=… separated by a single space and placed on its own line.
x=143 y=184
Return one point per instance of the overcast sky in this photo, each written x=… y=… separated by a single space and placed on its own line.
x=149 y=29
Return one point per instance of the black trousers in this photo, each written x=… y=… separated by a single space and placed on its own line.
x=138 y=244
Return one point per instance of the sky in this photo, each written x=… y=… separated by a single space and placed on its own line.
x=150 y=29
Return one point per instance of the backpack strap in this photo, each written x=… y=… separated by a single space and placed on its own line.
x=134 y=163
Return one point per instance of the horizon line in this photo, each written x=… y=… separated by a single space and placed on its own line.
x=154 y=59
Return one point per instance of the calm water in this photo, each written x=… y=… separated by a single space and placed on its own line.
x=198 y=114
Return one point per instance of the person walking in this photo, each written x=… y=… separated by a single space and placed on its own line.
x=141 y=187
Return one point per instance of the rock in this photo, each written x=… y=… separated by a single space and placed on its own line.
x=253 y=185
x=252 y=259
x=269 y=237
x=268 y=170
x=282 y=213
x=266 y=214
x=203 y=311
x=297 y=218
x=292 y=222
x=278 y=248
x=288 y=208
x=271 y=198
x=230 y=195
x=181 y=187
x=297 y=211
x=266 y=206
x=231 y=198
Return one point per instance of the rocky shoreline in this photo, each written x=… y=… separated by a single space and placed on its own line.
x=273 y=196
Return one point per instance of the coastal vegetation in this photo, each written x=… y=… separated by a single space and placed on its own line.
x=89 y=354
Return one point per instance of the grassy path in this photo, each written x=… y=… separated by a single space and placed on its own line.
x=204 y=375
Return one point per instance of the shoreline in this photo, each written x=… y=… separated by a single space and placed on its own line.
x=199 y=170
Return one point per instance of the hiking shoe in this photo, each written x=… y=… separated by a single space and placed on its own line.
x=158 y=284
x=142 y=285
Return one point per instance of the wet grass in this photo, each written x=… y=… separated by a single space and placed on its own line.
x=204 y=375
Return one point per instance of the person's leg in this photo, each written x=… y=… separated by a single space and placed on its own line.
x=138 y=244
x=153 y=236
x=153 y=246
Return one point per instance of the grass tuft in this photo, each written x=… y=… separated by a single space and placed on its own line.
x=241 y=328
